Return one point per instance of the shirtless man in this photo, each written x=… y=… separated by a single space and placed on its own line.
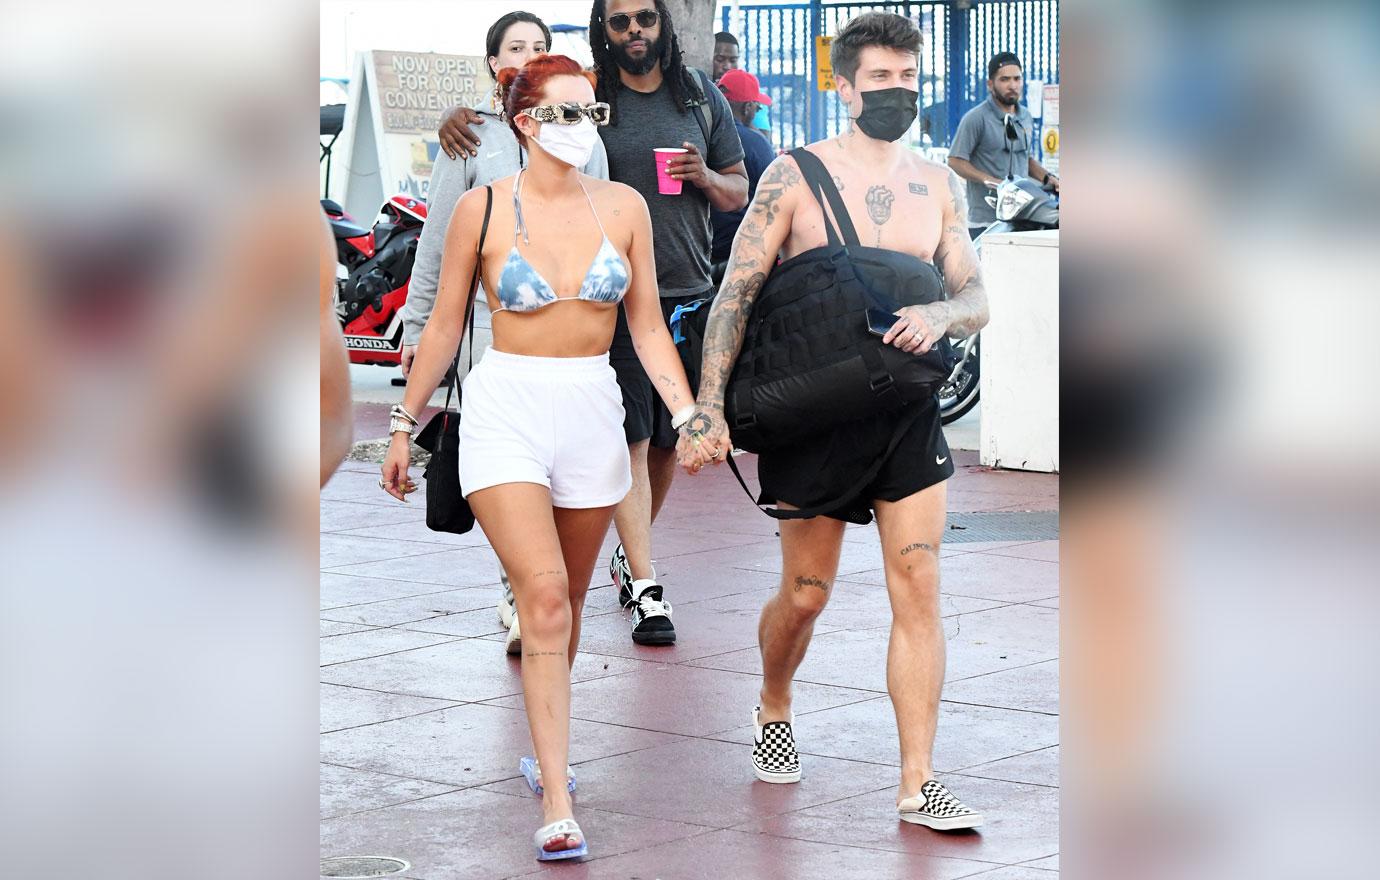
x=900 y=202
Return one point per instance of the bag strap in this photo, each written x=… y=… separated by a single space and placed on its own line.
x=469 y=306
x=848 y=495
x=822 y=185
x=704 y=116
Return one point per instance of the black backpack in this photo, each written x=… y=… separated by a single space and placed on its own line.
x=808 y=361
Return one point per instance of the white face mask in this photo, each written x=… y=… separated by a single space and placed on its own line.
x=572 y=144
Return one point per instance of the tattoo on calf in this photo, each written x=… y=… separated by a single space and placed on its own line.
x=545 y=653
x=913 y=547
x=810 y=582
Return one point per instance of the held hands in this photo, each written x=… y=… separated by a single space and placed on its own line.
x=704 y=439
x=690 y=166
x=920 y=327
x=395 y=480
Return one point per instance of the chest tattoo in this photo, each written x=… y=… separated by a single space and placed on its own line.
x=919 y=189
x=879 y=199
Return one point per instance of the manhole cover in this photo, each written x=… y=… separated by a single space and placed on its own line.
x=1032 y=525
x=358 y=867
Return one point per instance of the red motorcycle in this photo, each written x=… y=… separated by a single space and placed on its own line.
x=373 y=270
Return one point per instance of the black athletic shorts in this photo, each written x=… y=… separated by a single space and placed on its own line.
x=645 y=416
x=825 y=467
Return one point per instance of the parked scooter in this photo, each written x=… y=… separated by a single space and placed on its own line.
x=373 y=271
x=1021 y=204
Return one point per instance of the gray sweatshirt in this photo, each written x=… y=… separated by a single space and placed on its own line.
x=451 y=178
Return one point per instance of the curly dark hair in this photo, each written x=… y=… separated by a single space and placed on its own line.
x=684 y=90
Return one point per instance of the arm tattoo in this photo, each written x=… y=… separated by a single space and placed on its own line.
x=670 y=385
x=747 y=271
x=967 y=302
x=815 y=582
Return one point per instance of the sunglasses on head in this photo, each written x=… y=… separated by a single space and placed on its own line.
x=645 y=18
x=569 y=114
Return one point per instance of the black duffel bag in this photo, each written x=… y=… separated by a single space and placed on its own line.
x=808 y=360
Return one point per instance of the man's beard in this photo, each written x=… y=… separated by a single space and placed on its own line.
x=1005 y=101
x=637 y=67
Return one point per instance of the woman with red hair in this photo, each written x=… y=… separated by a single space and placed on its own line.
x=543 y=460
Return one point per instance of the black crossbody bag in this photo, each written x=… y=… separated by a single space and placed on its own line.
x=446 y=507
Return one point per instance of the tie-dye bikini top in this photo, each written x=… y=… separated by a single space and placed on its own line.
x=522 y=289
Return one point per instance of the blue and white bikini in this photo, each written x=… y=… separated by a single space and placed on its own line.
x=522 y=289
x=553 y=421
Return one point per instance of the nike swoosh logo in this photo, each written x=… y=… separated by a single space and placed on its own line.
x=938 y=460
x=494 y=153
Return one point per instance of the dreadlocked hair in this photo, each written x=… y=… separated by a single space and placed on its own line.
x=684 y=89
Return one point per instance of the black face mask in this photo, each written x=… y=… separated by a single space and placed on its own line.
x=888 y=113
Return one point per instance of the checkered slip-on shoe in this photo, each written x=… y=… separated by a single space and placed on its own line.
x=774 y=758
x=934 y=807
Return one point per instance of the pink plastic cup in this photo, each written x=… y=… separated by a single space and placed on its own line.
x=665 y=183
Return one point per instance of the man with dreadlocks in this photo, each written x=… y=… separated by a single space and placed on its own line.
x=658 y=102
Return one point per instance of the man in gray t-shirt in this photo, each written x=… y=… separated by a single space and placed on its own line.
x=658 y=102
x=982 y=152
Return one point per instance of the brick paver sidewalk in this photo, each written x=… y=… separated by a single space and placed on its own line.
x=422 y=723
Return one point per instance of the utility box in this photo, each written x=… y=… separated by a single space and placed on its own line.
x=1019 y=427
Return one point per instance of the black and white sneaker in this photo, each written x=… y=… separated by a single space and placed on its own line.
x=934 y=807
x=622 y=577
x=651 y=617
x=774 y=758
x=507 y=606
x=507 y=615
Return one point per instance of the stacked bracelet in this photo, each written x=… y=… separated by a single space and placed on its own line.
x=401 y=420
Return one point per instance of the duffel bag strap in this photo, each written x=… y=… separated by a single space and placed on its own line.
x=822 y=185
x=875 y=468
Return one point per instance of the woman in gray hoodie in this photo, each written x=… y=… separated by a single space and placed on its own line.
x=511 y=41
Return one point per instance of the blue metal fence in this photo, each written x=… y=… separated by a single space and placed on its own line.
x=778 y=46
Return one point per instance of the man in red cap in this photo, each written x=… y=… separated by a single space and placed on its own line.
x=745 y=98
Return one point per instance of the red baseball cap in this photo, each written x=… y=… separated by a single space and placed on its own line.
x=739 y=85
